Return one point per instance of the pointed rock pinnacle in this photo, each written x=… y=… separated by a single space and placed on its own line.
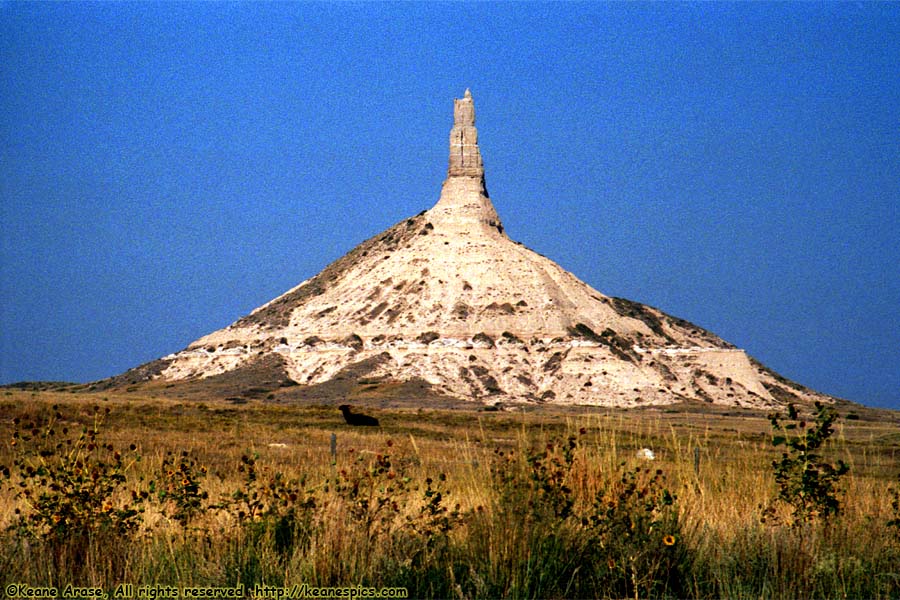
x=464 y=205
x=465 y=158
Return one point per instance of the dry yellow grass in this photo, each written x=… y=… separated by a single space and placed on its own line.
x=719 y=503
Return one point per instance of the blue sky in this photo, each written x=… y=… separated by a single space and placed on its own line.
x=166 y=168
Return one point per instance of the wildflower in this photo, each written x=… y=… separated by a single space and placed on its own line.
x=610 y=563
x=185 y=482
x=669 y=540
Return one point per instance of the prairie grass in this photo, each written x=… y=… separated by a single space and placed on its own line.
x=443 y=503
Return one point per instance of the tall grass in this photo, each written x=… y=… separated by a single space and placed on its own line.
x=443 y=504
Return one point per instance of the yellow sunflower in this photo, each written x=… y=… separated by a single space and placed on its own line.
x=669 y=540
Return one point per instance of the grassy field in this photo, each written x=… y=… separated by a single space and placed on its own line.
x=444 y=503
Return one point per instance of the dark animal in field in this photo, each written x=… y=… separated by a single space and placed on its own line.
x=357 y=419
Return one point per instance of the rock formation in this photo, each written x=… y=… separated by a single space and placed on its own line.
x=446 y=299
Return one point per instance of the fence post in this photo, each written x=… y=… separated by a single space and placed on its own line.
x=333 y=448
x=697 y=460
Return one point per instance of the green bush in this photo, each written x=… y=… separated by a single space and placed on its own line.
x=807 y=483
x=179 y=488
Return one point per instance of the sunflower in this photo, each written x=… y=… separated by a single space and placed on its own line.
x=669 y=540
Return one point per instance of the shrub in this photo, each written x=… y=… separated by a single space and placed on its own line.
x=71 y=485
x=74 y=490
x=636 y=536
x=275 y=520
x=807 y=483
x=556 y=541
x=179 y=488
x=370 y=491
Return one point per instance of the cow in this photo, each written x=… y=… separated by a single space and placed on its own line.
x=357 y=419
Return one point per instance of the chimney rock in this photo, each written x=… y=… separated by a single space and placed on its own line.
x=465 y=158
x=464 y=205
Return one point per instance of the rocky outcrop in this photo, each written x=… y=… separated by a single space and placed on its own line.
x=448 y=302
x=465 y=157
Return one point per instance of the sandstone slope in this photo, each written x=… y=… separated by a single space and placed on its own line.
x=447 y=299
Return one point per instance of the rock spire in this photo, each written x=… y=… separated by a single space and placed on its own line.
x=465 y=205
x=465 y=158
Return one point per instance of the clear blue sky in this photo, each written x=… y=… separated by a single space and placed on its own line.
x=166 y=168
